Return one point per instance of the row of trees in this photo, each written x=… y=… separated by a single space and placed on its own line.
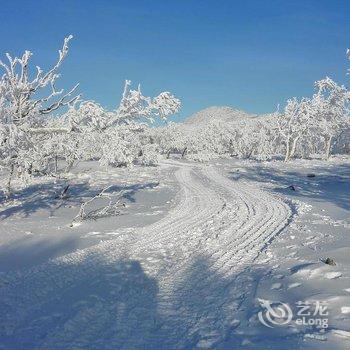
x=321 y=119
x=42 y=128
x=306 y=127
x=40 y=125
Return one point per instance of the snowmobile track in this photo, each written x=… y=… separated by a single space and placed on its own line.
x=175 y=284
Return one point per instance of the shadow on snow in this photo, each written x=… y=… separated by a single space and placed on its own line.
x=328 y=184
x=46 y=196
x=100 y=302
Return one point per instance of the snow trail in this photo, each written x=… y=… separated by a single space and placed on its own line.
x=172 y=285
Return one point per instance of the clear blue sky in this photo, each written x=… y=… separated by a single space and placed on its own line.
x=248 y=54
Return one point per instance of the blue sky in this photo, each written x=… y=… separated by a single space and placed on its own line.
x=250 y=55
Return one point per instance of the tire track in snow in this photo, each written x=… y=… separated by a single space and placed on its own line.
x=188 y=263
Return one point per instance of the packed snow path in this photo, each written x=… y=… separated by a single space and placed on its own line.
x=175 y=284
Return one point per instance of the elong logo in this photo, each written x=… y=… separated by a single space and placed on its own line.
x=274 y=315
x=310 y=313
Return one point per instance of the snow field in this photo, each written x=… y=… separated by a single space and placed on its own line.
x=173 y=284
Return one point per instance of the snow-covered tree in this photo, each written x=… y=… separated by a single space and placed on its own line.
x=332 y=117
x=21 y=93
x=116 y=135
x=294 y=123
x=24 y=101
x=170 y=138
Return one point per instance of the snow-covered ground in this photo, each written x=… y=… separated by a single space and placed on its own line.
x=193 y=260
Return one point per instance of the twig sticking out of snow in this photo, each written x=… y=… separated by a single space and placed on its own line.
x=64 y=193
x=111 y=209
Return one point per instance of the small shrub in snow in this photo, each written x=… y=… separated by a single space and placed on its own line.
x=330 y=261
x=149 y=156
x=110 y=208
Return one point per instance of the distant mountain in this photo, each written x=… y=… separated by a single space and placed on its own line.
x=223 y=114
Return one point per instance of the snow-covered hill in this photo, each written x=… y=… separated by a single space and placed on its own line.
x=210 y=114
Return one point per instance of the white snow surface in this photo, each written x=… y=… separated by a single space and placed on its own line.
x=191 y=279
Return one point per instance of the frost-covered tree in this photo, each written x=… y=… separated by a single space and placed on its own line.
x=294 y=123
x=26 y=97
x=134 y=106
x=170 y=138
x=24 y=101
x=116 y=135
x=332 y=117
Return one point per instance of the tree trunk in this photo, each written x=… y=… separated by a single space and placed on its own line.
x=8 y=187
x=69 y=165
x=249 y=153
x=291 y=145
x=328 y=147
x=56 y=164
x=30 y=169
x=294 y=146
x=184 y=152
x=287 y=156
